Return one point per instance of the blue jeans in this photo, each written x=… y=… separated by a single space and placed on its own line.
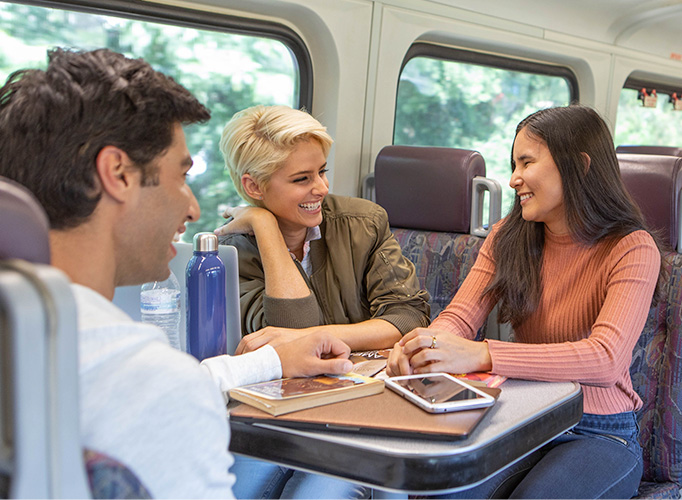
x=259 y=479
x=599 y=458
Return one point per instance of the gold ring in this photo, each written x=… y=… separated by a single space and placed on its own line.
x=433 y=343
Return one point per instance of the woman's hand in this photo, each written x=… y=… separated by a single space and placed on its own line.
x=398 y=362
x=245 y=220
x=272 y=335
x=425 y=351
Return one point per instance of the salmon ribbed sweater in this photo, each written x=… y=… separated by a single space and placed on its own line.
x=594 y=304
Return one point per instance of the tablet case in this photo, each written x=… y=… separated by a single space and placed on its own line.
x=385 y=414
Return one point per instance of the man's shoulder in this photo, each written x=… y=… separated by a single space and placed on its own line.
x=95 y=309
x=135 y=361
x=107 y=335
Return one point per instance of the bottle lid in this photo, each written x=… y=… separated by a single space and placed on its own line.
x=205 y=242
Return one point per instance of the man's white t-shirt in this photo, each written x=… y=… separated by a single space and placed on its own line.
x=154 y=408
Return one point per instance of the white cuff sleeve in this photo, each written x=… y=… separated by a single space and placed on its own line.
x=233 y=371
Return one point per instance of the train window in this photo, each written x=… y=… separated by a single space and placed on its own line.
x=467 y=100
x=639 y=125
x=228 y=63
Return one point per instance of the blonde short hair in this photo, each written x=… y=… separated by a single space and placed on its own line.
x=258 y=140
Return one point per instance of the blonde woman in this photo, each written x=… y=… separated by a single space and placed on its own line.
x=310 y=261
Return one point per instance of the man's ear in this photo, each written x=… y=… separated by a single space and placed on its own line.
x=587 y=161
x=116 y=177
x=251 y=187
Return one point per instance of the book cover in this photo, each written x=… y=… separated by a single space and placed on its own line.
x=369 y=363
x=290 y=394
x=481 y=379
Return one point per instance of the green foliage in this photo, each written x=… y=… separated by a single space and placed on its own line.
x=659 y=126
x=226 y=72
x=452 y=104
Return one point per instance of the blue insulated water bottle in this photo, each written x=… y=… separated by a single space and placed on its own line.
x=206 y=305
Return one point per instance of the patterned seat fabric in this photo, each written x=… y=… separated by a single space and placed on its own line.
x=659 y=490
x=442 y=261
x=427 y=194
x=656 y=372
x=109 y=478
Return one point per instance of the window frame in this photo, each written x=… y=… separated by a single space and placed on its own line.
x=451 y=54
x=196 y=19
x=662 y=88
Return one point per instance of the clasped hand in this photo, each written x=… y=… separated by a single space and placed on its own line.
x=451 y=354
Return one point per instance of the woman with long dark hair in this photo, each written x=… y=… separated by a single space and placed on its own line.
x=574 y=270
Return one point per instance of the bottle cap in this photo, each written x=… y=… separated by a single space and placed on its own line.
x=205 y=242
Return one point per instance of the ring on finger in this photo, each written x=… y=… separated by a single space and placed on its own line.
x=433 y=343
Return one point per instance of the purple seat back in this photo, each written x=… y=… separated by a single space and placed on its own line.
x=650 y=150
x=654 y=181
x=427 y=193
x=427 y=188
x=23 y=225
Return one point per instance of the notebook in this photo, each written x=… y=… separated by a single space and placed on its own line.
x=385 y=414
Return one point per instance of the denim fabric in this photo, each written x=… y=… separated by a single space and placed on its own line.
x=599 y=458
x=259 y=479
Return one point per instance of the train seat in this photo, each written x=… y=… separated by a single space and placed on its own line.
x=656 y=370
x=22 y=215
x=655 y=182
x=429 y=194
x=40 y=450
x=650 y=150
x=41 y=454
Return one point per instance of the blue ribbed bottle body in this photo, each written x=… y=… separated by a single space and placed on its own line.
x=206 y=305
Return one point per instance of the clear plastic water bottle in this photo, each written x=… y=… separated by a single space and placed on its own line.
x=206 y=303
x=160 y=306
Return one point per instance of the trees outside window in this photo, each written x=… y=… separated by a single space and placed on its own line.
x=637 y=125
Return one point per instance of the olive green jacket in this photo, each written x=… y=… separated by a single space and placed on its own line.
x=358 y=273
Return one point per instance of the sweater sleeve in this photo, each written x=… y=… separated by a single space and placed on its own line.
x=257 y=309
x=468 y=309
x=600 y=358
x=393 y=290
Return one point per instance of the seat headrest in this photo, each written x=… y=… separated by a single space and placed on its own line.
x=654 y=182
x=650 y=150
x=427 y=188
x=24 y=225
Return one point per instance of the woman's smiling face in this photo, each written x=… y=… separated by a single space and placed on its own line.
x=537 y=182
x=295 y=191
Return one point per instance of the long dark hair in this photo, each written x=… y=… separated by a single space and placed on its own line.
x=596 y=203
